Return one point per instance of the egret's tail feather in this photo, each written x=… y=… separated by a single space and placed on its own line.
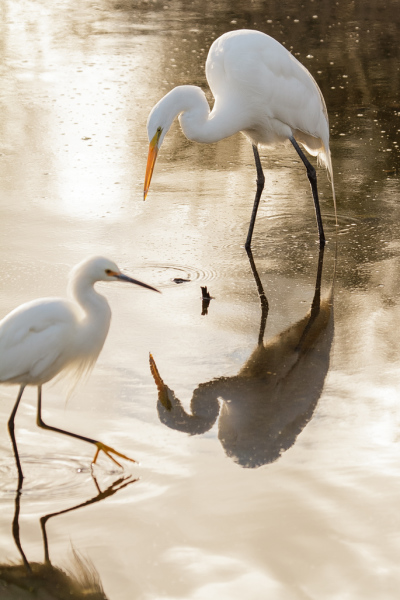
x=330 y=171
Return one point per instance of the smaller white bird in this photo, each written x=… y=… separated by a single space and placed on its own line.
x=49 y=336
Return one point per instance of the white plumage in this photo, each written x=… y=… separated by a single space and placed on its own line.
x=30 y=341
x=259 y=89
x=50 y=336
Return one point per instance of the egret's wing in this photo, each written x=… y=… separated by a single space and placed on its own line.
x=254 y=73
x=36 y=339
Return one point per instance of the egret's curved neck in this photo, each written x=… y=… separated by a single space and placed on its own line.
x=197 y=122
x=204 y=406
x=96 y=310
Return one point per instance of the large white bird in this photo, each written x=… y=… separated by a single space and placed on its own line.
x=46 y=337
x=261 y=90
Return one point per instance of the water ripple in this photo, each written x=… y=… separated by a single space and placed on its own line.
x=51 y=476
x=165 y=275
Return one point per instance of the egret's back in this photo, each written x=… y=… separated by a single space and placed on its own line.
x=37 y=341
x=273 y=93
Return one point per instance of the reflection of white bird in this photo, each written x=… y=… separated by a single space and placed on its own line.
x=40 y=339
x=262 y=410
x=261 y=90
x=33 y=580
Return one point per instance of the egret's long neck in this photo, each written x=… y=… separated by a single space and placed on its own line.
x=96 y=310
x=197 y=122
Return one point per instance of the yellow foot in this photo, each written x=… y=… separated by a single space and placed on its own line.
x=108 y=451
x=162 y=388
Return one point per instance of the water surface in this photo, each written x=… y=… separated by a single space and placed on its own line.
x=276 y=474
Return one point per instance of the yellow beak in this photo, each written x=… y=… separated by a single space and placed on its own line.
x=151 y=161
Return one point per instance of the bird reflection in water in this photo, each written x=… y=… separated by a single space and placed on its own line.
x=35 y=580
x=268 y=403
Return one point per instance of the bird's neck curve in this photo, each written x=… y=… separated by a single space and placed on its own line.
x=96 y=312
x=198 y=123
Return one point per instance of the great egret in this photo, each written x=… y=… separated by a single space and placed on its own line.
x=42 y=338
x=263 y=408
x=261 y=90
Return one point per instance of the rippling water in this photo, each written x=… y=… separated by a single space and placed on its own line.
x=269 y=450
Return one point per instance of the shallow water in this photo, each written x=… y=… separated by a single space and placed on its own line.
x=284 y=481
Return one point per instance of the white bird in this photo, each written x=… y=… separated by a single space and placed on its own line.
x=261 y=90
x=49 y=336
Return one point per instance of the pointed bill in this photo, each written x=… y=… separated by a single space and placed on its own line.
x=151 y=160
x=122 y=277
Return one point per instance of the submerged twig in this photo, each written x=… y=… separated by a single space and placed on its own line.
x=206 y=299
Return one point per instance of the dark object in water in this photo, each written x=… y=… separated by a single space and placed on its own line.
x=162 y=388
x=263 y=409
x=206 y=299
x=28 y=580
x=180 y=280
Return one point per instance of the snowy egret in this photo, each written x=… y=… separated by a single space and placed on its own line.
x=49 y=336
x=33 y=580
x=261 y=90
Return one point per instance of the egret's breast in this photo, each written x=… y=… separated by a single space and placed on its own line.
x=270 y=132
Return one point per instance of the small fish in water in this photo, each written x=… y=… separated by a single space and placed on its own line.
x=180 y=280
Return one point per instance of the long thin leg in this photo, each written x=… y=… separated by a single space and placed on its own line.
x=15 y=526
x=100 y=446
x=312 y=178
x=262 y=296
x=316 y=303
x=121 y=483
x=260 y=187
x=15 y=523
x=11 y=428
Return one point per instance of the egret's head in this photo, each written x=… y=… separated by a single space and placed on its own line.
x=159 y=121
x=98 y=268
x=158 y=124
x=183 y=100
x=155 y=142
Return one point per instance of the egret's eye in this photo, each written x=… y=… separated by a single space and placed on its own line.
x=108 y=272
x=158 y=129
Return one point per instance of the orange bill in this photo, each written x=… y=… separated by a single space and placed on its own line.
x=151 y=161
x=162 y=388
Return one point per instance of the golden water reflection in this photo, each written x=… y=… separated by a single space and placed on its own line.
x=37 y=579
x=78 y=81
x=272 y=398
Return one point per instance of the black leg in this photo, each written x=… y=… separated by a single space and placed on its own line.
x=15 y=523
x=316 y=303
x=260 y=187
x=100 y=446
x=121 y=483
x=15 y=526
x=312 y=178
x=262 y=296
x=11 y=428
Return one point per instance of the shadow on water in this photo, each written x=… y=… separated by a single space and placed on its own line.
x=43 y=580
x=268 y=403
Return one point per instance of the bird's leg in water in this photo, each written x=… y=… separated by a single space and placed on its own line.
x=262 y=296
x=312 y=178
x=260 y=187
x=121 y=483
x=100 y=446
x=316 y=303
x=11 y=428
x=15 y=523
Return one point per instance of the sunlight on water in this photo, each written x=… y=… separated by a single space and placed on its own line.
x=267 y=431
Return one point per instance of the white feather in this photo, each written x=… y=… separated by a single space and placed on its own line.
x=260 y=89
